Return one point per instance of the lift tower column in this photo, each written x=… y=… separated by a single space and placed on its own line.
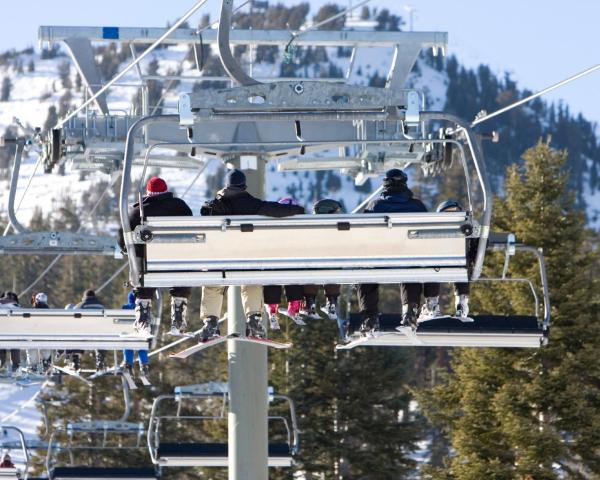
x=248 y=382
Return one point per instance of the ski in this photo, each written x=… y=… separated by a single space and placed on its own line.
x=108 y=371
x=421 y=320
x=265 y=341
x=144 y=380
x=129 y=379
x=72 y=373
x=297 y=319
x=356 y=341
x=199 y=347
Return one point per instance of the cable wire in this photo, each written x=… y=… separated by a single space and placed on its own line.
x=489 y=116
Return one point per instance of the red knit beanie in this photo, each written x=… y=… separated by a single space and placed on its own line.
x=155 y=186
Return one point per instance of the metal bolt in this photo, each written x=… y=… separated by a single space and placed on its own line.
x=299 y=88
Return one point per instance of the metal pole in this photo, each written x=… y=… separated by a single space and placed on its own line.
x=248 y=383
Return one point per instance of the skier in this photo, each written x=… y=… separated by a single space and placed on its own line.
x=332 y=292
x=272 y=293
x=37 y=357
x=7 y=462
x=129 y=354
x=235 y=200
x=158 y=202
x=74 y=356
x=461 y=290
x=10 y=300
x=395 y=197
x=90 y=301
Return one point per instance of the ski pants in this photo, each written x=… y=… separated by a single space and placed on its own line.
x=15 y=358
x=410 y=293
x=212 y=300
x=148 y=293
x=331 y=290
x=142 y=355
x=272 y=293
x=462 y=288
x=35 y=357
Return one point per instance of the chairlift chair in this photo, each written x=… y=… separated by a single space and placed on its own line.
x=520 y=331
x=210 y=453
x=104 y=429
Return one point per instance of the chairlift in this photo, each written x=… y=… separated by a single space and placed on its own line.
x=166 y=453
x=6 y=446
x=519 y=331
x=101 y=431
x=81 y=329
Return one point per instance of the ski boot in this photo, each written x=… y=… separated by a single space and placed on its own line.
x=331 y=308
x=46 y=364
x=143 y=315
x=178 y=315
x=127 y=368
x=369 y=325
x=430 y=310
x=462 y=307
x=272 y=309
x=309 y=308
x=75 y=363
x=254 y=326
x=293 y=311
x=100 y=361
x=145 y=370
x=209 y=330
x=410 y=314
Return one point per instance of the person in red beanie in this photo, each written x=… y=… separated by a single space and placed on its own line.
x=158 y=202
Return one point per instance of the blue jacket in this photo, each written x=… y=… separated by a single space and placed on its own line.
x=394 y=200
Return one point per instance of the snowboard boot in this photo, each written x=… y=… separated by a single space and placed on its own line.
x=273 y=321
x=462 y=306
x=410 y=313
x=309 y=308
x=178 y=315
x=254 y=326
x=100 y=361
x=430 y=310
x=331 y=308
x=369 y=325
x=209 y=330
x=143 y=315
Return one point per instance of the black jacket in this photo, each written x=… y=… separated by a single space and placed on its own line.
x=235 y=201
x=162 y=205
x=91 y=303
x=396 y=200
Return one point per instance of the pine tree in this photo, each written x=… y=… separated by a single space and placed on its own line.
x=511 y=414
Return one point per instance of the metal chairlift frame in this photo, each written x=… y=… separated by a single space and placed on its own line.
x=200 y=392
x=97 y=427
x=14 y=473
x=46 y=243
x=407 y=46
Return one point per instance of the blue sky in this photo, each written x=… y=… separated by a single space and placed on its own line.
x=538 y=41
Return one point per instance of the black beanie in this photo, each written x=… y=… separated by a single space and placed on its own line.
x=236 y=178
x=395 y=178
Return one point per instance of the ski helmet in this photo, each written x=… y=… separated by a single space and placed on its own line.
x=449 y=206
x=288 y=201
x=41 y=298
x=327 y=206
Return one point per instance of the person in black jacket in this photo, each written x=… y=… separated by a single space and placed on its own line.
x=39 y=358
x=90 y=301
x=235 y=200
x=158 y=202
x=10 y=300
x=395 y=198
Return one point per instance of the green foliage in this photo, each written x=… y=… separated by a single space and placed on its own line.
x=510 y=413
